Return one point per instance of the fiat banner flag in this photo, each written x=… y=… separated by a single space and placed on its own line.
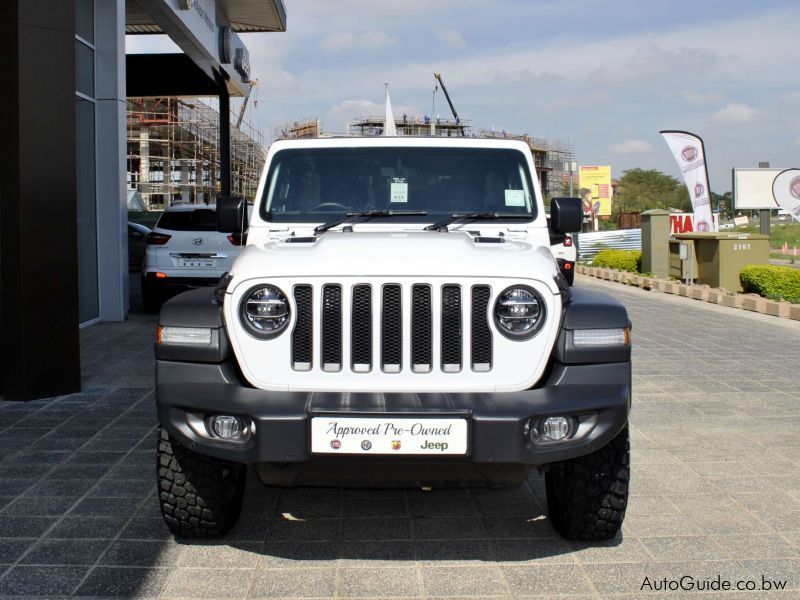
x=786 y=190
x=689 y=153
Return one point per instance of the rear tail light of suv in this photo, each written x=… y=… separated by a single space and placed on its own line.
x=567 y=241
x=157 y=239
x=238 y=239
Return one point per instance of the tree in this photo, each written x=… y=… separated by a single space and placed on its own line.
x=639 y=190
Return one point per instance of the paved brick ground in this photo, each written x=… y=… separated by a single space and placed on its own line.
x=716 y=489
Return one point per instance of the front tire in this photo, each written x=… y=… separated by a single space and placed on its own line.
x=200 y=496
x=587 y=496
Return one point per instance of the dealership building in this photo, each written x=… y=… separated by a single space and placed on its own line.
x=63 y=205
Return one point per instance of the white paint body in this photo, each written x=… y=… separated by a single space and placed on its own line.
x=393 y=252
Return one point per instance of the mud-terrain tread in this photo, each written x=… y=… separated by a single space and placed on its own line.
x=200 y=497
x=587 y=496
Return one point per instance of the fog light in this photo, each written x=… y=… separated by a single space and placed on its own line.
x=555 y=428
x=227 y=427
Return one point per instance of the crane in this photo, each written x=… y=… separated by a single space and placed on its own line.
x=244 y=104
x=438 y=77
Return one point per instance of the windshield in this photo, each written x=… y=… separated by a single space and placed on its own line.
x=322 y=184
x=201 y=219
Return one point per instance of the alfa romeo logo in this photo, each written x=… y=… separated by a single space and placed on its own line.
x=366 y=445
x=698 y=190
x=689 y=153
x=794 y=188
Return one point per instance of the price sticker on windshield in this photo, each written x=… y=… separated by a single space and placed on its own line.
x=515 y=198
x=398 y=190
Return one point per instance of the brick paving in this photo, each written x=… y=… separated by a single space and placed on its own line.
x=715 y=489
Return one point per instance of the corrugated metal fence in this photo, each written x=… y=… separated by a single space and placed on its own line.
x=589 y=244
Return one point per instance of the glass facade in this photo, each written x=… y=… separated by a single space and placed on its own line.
x=85 y=153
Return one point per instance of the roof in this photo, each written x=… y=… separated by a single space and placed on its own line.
x=244 y=16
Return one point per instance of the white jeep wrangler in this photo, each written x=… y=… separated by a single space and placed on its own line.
x=397 y=317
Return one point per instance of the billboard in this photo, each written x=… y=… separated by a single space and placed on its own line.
x=594 y=183
x=752 y=189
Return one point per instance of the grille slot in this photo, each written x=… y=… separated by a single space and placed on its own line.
x=451 y=328
x=421 y=329
x=391 y=329
x=331 y=328
x=481 y=335
x=302 y=334
x=361 y=329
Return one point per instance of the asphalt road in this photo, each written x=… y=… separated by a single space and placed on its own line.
x=715 y=489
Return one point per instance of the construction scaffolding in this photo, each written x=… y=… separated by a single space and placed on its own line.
x=551 y=157
x=174 y=152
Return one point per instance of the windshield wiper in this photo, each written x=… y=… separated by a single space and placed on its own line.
x=366 y=215
x=456 y=218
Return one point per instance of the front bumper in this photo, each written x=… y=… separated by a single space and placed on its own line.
x=498 y=422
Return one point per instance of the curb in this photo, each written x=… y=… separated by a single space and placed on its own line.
x=703 y=293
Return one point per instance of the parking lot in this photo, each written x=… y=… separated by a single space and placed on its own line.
x=715 y=489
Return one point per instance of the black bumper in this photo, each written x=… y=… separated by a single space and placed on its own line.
x=498 y=422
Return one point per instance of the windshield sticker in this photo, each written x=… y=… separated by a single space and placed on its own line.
x=515 y=197
x=398 y=190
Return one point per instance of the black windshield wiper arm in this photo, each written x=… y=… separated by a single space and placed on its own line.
x=456 y=218
x=368 y=214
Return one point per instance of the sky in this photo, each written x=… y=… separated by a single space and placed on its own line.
x=606 y=75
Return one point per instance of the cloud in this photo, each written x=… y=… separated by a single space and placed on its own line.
x=736 y=114
x=632 y=146
x=369 y=40
x=450 y=37
x=693 y=97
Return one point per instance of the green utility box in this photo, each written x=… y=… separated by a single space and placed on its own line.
x=655 y=242
x=682 y=265
x=721 y=256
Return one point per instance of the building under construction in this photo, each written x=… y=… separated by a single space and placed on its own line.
x=174 y=152
x=551 y=157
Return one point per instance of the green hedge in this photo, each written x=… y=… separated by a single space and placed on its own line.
x=624 y=260
x=776 y=283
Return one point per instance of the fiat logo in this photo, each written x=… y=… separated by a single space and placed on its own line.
x=197 y=241
x=689 y=153
x=794 y=187
x=702 y=226
x=698 y=190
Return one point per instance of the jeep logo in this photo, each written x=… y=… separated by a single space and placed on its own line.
x=441 y=446
x=689 y=153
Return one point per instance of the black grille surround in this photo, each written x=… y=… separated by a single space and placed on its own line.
x=480 y=333
x=392 y=328
x=383 y=334
x=361 y=329
x=302 y=335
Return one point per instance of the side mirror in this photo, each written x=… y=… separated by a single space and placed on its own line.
x=231 y=214
x=566 y=215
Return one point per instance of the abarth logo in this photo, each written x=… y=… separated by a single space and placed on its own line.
x=794 y=187
x=198 y=241
x=689 y=153
x=336 y=444
x=366 y=445
x=396 y=445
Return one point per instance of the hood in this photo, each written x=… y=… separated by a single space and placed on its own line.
x=397 y=254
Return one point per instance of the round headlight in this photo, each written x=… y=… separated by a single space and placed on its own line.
x=264 y=311
x=519 y=312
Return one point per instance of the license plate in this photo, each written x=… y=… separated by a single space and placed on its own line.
x=390 y=435
x=197 y=262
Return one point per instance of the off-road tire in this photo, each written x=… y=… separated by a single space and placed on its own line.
x=587 y=496
x=200 y=496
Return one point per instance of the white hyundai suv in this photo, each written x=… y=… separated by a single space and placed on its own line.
x=186 y=251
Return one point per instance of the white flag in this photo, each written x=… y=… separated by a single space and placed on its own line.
x=687 y=148
x=388 y=123
x=786 y=190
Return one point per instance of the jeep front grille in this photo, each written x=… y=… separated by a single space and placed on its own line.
x=381 y=307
